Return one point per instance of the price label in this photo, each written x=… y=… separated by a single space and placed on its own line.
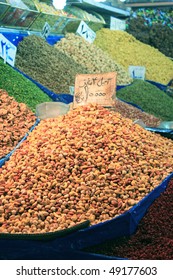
x=7 y=50
x=117 y=24
x=95 y=88
x=87 y=33
x=71 y=89
x=46 y=30
x=137 y=72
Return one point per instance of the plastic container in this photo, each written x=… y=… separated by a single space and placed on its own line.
x=51 y=110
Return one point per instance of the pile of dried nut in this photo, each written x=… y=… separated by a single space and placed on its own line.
x=46 y=64
x=15 y=121
x=91 y=164
x=133 y=113
x=91 y=57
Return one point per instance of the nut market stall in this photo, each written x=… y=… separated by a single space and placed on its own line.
x=92 y=174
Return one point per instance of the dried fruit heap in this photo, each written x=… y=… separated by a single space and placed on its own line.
x=90 y=56
x=89 y=164
x=15 y=120
x=127 y=50
x=153 y=35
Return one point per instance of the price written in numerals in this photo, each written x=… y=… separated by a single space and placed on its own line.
x=95 y=88
x=7 y=50
x=97 y=94
x=85 y=88
x=80 y=98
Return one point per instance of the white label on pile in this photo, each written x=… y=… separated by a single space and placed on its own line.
x=7 y=50
x=117 y=24
x=46 y=30
x=87 y=33
x=71 y=88
x=137 y=72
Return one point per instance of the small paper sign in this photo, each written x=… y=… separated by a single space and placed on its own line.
x=95 y=89
x=87 y=33
x=71 y=89
x=7 y=50
x=46 y=30
x=137 y=72
x=117 y=24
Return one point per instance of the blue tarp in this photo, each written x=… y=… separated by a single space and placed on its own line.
x=20 y=250
x=122 y=86
x=16 y=37
x=168 y=133
x=158 y=85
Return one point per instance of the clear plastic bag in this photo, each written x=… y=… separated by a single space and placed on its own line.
x=51 y=110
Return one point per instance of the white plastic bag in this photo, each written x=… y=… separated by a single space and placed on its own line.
x=51 y=110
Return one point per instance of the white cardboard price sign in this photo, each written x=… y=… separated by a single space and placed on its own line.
x=87 y=33
x=137 y=72
x=7 y=50
x=71 y=89
x=95 y=88
x=117 y=24
x=46 y=30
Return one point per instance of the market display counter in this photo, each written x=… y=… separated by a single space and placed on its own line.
x=32 y=19
x=70 y=243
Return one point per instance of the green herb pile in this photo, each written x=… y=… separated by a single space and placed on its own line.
x=150 y=98
x=22 y=89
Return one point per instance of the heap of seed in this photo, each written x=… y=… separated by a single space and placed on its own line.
x=127 y=50
x=46 y=64
x=90 y=56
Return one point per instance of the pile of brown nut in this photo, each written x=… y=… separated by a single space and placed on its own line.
x=91 y=164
